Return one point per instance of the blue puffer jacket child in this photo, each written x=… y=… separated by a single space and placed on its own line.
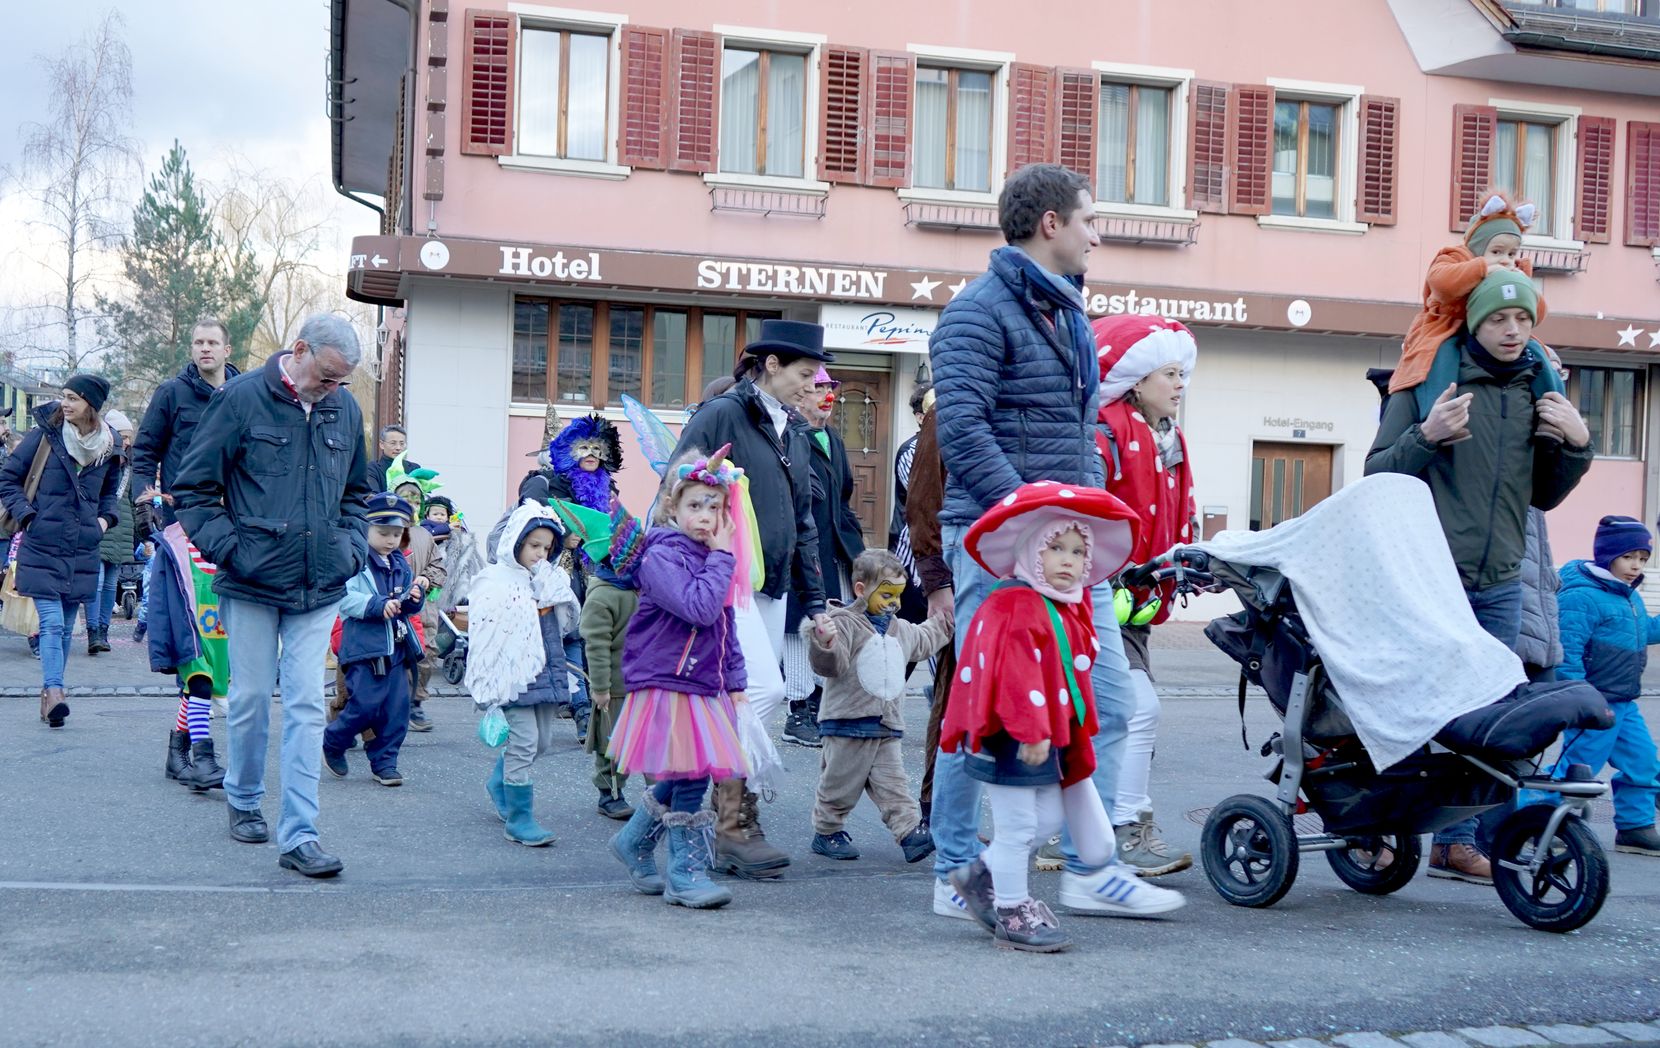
x=365 y=632
x=1606 y=631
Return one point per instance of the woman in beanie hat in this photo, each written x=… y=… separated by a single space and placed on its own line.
x=1146 y=362
x=1492 y=242
x=1606 y=631
x=63 y=519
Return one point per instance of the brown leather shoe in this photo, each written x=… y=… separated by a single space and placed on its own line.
x=53 y=708
x=741 y=847
x=1460 y=862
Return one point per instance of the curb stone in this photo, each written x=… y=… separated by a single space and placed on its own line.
x=1497 y=1036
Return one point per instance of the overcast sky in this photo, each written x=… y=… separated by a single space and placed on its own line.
x=219 y=75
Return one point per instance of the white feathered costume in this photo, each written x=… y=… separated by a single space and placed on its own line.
x=504 y=650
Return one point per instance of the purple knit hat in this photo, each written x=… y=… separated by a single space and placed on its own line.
x=1617 y=536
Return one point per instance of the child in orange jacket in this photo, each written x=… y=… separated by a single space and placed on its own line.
x=1493 y=241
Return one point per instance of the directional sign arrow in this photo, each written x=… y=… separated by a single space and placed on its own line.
x=379 y=261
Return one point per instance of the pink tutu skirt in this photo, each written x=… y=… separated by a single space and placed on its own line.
x=672 y=735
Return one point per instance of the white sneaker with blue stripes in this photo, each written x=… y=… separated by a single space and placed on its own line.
x=948 y=903
x=1116 y=890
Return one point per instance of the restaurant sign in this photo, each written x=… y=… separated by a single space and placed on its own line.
x=880 y=329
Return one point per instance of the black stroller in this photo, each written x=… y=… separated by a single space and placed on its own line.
x=1371 y=820
x=129 y=588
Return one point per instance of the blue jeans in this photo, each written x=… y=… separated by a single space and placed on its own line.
x=1498 y=611
x=102 y=610
x=254 y=632
x=955 y=815
x=57 y=622
x=379 y=704
x=1114 y=702
x=683 y=795
x=1629 y=747
x=144 y=597
x=576 y=656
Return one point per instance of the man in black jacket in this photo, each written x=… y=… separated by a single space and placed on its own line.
x=170 y=421
x=273 y=492
x=393 y=442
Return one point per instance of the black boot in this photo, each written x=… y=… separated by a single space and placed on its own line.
x=178 y=756
x=92 y=647
x=205 y=772
x=800 y=727
x=104 y=638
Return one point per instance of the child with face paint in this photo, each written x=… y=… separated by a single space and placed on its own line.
x=861 y=650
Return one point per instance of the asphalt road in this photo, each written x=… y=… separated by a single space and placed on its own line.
x=128 y=916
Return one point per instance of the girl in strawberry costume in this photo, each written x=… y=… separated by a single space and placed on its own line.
x=1146 y=362
x=1023 y=710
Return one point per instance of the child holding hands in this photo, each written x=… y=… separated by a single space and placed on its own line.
x=862 y=651
x=685 y=677
x=1023 y=707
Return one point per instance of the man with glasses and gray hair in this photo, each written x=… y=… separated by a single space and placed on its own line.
x=273 y=492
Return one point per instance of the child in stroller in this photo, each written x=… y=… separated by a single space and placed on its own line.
x=1386 y=743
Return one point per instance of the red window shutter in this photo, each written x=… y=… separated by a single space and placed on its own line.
x=642 y=140
x=1031 y=115
x=892 y=81
x=1250 y=191
x=1380 y=146
x=1075 y=106
x=1595 y=185
x=694 y=86
x=487 y=83
x=1207 y=148
x=1642 y=183
x=1474 y=128
x=842 y=98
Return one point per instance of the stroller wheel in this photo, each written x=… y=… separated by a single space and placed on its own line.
x=455 y=668
x=1570 y=886
x=1378 y=865
x=129 y=604
x=1249 y=850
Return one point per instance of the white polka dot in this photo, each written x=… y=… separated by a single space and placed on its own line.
x=1068 y=493
x=1037 y=698
x=978 y=627
x=967 y=674
x=1081 y=663
x=1009 y=500
x=1037 y=656
x=1095 y=644
x=982 y=659
x=1172 y=480
x=1138 y=416
x=1060 y=700
x=1135 y=445
x=1152 y=511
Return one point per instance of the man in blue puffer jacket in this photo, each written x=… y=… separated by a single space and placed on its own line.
x=1606 y=631
x=1015 y=381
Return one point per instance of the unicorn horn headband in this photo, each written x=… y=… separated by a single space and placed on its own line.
x=713 y=470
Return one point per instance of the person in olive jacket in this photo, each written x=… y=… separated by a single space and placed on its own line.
x=769 y=441
x=1497 y=437
x=57 y=561
x=273 y=491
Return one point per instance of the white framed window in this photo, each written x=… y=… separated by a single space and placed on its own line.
x=1533 y=159
x=959 y=125
x=567 y=91
x=767 y=127
x=952 y=142
x=1314 y=152
x=1141 y=141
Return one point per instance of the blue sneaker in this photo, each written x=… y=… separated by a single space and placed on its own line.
x=836 y=845
x=336 y=764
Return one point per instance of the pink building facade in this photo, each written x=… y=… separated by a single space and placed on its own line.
x=582 y=203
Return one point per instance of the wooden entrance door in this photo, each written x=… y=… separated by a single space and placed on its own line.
x=863 y=418
x=1287 y=479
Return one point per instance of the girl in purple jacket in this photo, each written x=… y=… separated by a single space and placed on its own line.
x=685 y=676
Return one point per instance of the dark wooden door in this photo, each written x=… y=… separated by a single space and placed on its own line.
x=1286 y=480
x=863 y=418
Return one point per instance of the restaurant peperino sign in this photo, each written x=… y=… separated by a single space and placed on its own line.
x=879 y=308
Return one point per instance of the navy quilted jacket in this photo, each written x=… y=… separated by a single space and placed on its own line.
x=1015 y=404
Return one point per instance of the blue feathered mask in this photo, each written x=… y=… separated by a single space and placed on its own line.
x=588 y=435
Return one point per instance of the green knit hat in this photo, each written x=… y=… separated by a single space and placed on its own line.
x=1502 y=289
x=1484 y=230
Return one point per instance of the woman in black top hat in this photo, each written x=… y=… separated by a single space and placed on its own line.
x=769 y=440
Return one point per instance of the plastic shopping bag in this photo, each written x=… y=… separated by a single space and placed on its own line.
x=492 y=727
x=765 y=766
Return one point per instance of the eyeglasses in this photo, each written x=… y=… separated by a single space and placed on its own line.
x=1130 y=612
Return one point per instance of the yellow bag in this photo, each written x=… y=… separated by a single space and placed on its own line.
x=19 y=614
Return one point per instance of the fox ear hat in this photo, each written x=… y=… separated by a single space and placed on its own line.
x=1498 y=216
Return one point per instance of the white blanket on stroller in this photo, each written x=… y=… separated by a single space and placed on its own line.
x=1382 y=601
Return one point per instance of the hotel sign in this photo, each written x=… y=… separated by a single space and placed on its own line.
x=871 y=307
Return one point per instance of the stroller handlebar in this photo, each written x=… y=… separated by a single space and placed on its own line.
x=1188 y=566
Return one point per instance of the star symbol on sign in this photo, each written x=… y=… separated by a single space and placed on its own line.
x=924 y=288
x=957 y=288
x=1654 y=340
x=1628 y=335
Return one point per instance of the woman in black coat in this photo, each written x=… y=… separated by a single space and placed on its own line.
x=57 y=562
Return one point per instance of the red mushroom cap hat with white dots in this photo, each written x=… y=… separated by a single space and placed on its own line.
x=1131 y=347
x=995 y=539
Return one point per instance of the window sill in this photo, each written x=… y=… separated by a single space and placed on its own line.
x=581 y=168
x=809 y=186
x=539 y=409
x=1545 y=243
x=1311 y=225
x=1165 y=214
x=924 y=195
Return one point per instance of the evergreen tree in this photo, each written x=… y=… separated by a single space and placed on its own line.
x=177 y=270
